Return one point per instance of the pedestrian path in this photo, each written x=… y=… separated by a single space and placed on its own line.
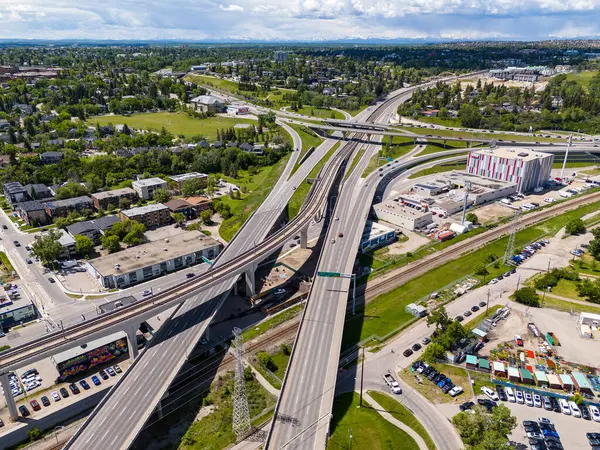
x=391 y=419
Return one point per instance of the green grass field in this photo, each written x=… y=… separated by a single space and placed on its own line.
x=567 y=288
x=583 y=77
x=369 y=429
x=302 y=191
x=321 y=113
x=176 y=123
x=439 y=121
x=479 y=135
x=278 y=319
x=565 y=306
x=258 y=187
x=309 y=139
x=401 y=413
x=386 y=312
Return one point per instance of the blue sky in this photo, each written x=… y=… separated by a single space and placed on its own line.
x=298 y=20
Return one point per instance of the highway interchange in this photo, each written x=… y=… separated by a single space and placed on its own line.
x=323 y=318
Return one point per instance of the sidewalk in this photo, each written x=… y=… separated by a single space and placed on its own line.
x=391 y=419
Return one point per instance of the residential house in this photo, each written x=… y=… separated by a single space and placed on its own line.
x=102 y=200
x=51 y=157
x=86 y=228
x=4 y=125
x=145 y=188
x=180 y=206
x=62 y=208
x=14 y=192
x=208 y=104
x=32 y=212
x=151 y=216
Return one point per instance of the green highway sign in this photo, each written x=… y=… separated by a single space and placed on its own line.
x=329 y=274
x=206 y=260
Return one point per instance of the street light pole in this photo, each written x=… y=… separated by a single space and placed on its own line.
x=362 y=375
x=354 y=294
x=487 y=305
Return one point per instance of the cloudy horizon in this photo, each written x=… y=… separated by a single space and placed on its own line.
x=297 y=20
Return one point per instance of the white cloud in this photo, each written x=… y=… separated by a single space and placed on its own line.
x=231 y=8
x=298 y=19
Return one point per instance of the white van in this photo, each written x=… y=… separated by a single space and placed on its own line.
x=564 y=406
x=510 y=395
x=575 y=412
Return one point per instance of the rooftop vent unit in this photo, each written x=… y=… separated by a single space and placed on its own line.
x=523 y=154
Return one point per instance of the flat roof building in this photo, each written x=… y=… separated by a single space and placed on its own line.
x=145 y=188
x=482 y=190
x=524 y=167
x=103 y=199
x=180 y=180
x=376 y=235
x=15 y=310
x=62 y=208
x=155 y=215
x=144 y=262
x=402 y=216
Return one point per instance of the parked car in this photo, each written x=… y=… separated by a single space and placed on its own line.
x=491 y=394
x=55 y=396
x=501 y=393
x=585 y=412
x=117 y=368
x=467 y=313
x=482 y=304
x=45 y=401
x=103 y=374
x=74 y=388
x=407 y=352
x=96 y=380
x=426 y=340
x=24 y=411
x=519 y=397
x=595 y=413
x=467 y=405
x=575 y=411
x=474 y=308
x=537 y=401
x=528 y=399
x=510 y=395
x=63 y=392
x=111 y=372
x=455 y=391
x=35 y=405
x=459 y=318
x=564 y=407
x=84 y=385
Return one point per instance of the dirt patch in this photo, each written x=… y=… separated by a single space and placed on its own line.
x=515 y=323
x=414 y=242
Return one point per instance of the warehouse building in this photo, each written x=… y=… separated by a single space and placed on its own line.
x=482 y=190
x=402 y=216
x=376 y=235
x=526 y=168
x=144 y=262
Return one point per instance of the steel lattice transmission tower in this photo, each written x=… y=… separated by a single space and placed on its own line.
x=241 y=412
x=510 y=246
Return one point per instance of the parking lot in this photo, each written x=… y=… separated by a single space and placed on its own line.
x=47 y=386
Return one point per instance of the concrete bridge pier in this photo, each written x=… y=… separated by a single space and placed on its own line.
x=10 y=400
x=131 y=331
x=250 y=278
x=304 y=238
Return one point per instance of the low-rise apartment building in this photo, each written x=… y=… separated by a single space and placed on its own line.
x=145 y=188
x=102 y=200
x=151 y=216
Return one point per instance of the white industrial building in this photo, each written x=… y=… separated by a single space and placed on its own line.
x=482 y=190
x=376 y=235
x=144 y=262
x=402 y=216
x=526 y=168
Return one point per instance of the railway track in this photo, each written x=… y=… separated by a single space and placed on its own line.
x=404 y=274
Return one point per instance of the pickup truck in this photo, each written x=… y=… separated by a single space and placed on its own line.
x=392 y=383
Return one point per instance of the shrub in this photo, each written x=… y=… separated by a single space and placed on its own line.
x=527 y=296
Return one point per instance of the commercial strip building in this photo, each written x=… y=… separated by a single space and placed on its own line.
x=402 y=216
x=15 y=310
x=526 y=168
x=83 y=358
x=144 y=262
x=102 y=200
x=376 y=235
x=145 y=188
x=155 y=215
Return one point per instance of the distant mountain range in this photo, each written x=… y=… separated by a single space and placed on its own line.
x=346 y=41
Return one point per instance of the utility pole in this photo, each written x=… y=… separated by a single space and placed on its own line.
x=487 y=306
x=241 y=411
x=510 y=246
x=362 y=375
x=549 y=259
x=518 y=282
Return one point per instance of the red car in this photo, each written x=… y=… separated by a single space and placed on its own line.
x=35 y=405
